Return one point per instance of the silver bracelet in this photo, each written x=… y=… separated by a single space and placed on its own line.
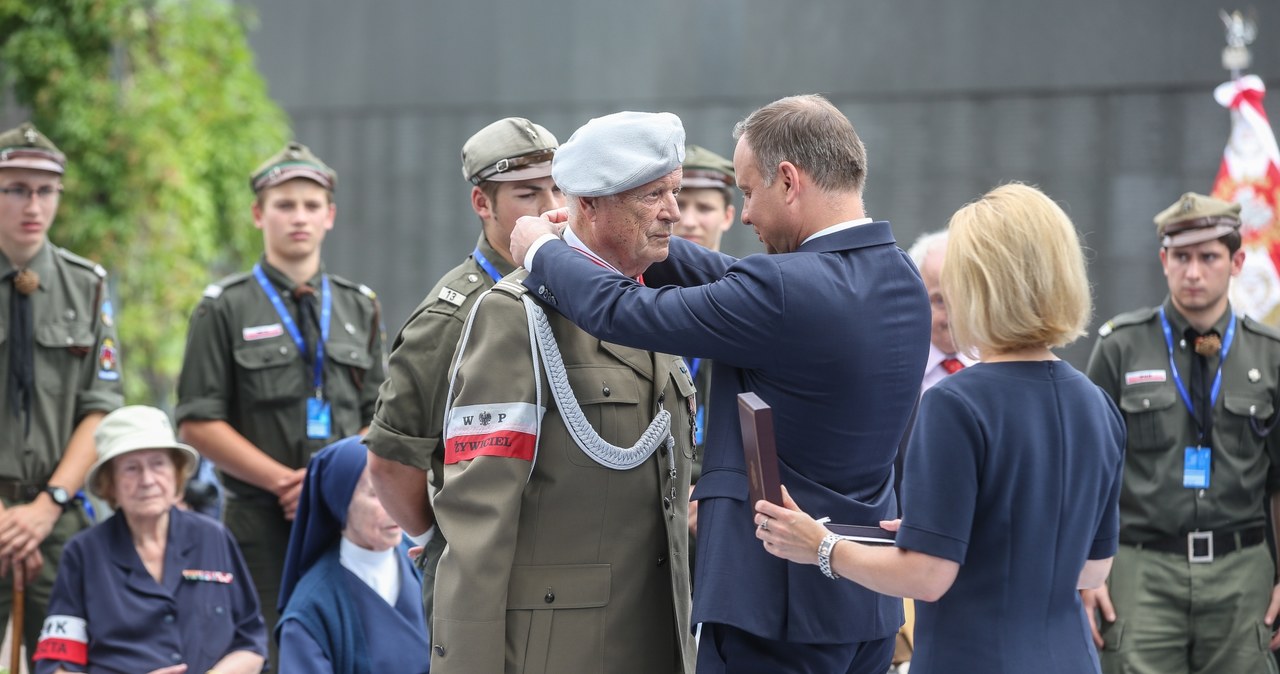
x=825 y=548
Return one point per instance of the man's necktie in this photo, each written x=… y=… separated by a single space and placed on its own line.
x=308 y=318
x=952 y=365
x=21 y=386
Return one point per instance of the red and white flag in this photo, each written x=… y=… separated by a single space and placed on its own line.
x=1250 y=176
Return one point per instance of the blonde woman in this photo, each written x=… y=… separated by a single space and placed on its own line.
x=1013 y=473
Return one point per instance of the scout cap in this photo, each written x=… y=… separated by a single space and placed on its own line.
x=617 y=152
x=27 y=148
x=1195 y=218
x=704 y=168
x=131 y=429
x=508 y=149
x=294 y=161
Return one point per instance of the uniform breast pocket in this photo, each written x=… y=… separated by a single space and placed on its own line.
x=345 y=380
x=609 y=396
x=557 y=609
x=1243 y=413
x=1146 y=411
x=271 y=372
x=62 y=348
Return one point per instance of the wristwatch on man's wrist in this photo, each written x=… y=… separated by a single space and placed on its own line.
x=824 y=555
x=59 y=495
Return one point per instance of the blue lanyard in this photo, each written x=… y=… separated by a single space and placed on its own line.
x=1217 y=378
x=486 y=265
x=326 y=309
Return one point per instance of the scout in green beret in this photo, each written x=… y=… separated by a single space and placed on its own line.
x=1199 y=388
x=281 y=361
x=706 y=197
x=508 y=165
x=59 y=366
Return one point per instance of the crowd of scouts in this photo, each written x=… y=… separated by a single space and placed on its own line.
x=285 y=370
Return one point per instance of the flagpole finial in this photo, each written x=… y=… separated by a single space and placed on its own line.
x=1241 y=31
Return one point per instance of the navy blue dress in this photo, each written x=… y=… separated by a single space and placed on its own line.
x=1013 y=472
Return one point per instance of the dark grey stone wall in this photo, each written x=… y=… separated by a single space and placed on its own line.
x=1106 y=105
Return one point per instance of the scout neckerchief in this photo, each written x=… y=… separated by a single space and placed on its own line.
x=1217 y=378
x=317 y=409
x=486 y=265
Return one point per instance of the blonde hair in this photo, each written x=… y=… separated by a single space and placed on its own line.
x=1015 y=275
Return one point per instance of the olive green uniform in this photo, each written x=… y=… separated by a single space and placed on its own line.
x=241 y=366
x=77 y=371
x=1173 y=614
x=556 y=563
x=408 y=423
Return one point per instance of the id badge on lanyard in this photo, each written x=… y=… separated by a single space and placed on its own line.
x=319 y=412
x=1197 y=461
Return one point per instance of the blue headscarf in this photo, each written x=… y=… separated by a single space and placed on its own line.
x=332 y=476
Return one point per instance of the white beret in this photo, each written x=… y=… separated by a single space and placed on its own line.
x=617 y=152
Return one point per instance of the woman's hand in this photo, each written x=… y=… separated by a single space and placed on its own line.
x=788 y=532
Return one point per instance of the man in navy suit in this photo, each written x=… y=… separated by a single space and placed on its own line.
x=831 y=329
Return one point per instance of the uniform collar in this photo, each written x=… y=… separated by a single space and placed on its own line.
x=1180 y=324
x=279 y=280
x=493 y=256
x=42 y=264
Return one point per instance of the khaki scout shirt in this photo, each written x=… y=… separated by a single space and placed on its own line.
x=1130 y=362
x=408 y=422
x=77 y=361
x=559 y=564
x=242 y=366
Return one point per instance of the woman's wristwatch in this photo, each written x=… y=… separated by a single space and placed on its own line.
x=824 y=555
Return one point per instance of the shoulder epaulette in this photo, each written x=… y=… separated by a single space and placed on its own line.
x=512 y=286
x=213 y=290
x=358 y=287
x=71 y=257
x=1260 y=328
x=1127 y=319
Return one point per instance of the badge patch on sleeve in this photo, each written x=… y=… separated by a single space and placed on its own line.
x=1144 y=377
x=108 y=362
x=503 y=429
x=64 y=638
x=108 y=314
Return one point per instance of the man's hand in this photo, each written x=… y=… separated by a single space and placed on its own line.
x=1099 y=599
x=1270 y=618
x=26 y=570
x=24 y=527
x=529 y=229
x=288 y=489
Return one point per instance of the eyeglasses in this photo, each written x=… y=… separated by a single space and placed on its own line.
x=22 y=193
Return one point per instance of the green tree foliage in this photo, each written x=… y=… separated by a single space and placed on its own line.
x=162 y=114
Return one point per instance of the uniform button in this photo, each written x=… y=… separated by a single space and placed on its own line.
x=551 y=597
x=284 y=350
x=218 y=610
x=683 y=370
x=175 y=656
x=662 y=397
x=542 y=290
x=472 y=278
x=439 y=650
x=662 y=449
x=71 y=314
x=168 y=618
x=606 y=391
x=666 y=502
x=353 y=354
x=351 y=329
x=662 y=560
x=1253 y=410
x=70 y=339
x=1146 y=402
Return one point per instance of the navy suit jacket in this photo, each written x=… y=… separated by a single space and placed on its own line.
x=834 y=337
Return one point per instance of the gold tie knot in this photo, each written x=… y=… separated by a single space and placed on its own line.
x=26 y=281
x=1208 y=345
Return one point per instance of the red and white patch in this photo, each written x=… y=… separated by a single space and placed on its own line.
x=507 y=430
x=64 y=638
x=1144 y=377
x=254 y=333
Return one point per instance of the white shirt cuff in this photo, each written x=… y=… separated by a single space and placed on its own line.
x=533 y=250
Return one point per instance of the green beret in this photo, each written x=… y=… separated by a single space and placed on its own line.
x=1195 y=218
x=294 y=161
x=704 y=168
x=509 y=149
x=25 y=147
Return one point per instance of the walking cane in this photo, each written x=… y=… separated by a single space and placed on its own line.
x=15 y=634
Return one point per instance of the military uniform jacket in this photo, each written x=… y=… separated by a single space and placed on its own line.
x=77 y=361
x=1130 y=362
x=555 y=563
x=241 y=366
x=408 y=423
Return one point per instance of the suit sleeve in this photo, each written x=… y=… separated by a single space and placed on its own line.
x=490 y=435
x=204 y=384
x=64 y=640
x=734 y=320
x=688 y=265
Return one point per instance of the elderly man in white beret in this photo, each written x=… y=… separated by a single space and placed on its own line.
x=567 y=459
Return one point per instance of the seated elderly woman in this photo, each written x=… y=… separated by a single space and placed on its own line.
x=1011 y=488
x=350 y=601
x=153 y=588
